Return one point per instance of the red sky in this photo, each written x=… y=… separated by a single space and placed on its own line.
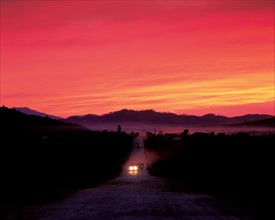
x=193 y=57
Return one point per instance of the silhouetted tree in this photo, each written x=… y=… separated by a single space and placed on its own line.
x=119 y=129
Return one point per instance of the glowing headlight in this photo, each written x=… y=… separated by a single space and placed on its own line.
x=131 y=168
x=135 y=167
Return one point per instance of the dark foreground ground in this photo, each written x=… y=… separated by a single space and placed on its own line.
x=42 y=159
x=134 y=196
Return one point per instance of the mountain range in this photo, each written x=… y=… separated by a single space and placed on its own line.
x=153 y=117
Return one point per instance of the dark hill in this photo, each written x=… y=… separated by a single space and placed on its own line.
x=15 y=120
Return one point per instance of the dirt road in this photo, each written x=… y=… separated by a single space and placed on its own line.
x=134 y=196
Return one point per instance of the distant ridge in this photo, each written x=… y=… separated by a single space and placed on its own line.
x=268 y=122
x=29 y=111
x=153 y=117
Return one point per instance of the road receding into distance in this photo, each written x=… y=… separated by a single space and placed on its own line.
x=134 y=195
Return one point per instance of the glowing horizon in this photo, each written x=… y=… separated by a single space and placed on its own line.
x=187 y=57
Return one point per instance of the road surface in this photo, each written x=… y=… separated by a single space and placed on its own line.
x=133 y=196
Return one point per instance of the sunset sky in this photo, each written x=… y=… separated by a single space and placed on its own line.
x=187 y=57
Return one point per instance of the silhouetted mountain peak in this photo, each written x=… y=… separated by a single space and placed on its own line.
x=210 y=115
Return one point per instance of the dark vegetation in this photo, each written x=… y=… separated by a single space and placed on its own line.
x=237 y=167
x=41 y=157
